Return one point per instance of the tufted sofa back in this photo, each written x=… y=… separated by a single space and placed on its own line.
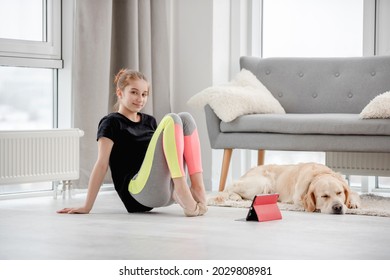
x=322 y=85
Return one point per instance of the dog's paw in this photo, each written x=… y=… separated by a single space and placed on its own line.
x=235 y=197
x=218 y=199
x=354 y=201
x=354 y=204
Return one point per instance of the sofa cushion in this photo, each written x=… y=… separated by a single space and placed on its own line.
x=244 y=94
x=336 y=124
x=378 y=108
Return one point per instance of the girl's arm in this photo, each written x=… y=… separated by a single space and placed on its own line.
x=96 y=179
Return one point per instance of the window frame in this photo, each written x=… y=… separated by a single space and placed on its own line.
x=45 y=54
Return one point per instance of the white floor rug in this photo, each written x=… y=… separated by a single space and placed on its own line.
x=372 y=205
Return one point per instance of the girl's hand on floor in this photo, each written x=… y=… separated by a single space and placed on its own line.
x=80 y=210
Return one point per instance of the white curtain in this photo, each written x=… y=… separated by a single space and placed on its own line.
x=110 y=35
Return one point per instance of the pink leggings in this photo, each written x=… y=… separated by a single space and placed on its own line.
x=174 y=145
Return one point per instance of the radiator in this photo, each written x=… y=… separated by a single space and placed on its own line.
x=39 y=155
x=365 y=164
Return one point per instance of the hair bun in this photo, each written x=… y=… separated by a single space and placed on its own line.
x=119 y=74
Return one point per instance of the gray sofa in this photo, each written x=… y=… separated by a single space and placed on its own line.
x=322 y=97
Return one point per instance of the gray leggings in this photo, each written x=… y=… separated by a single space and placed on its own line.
x=174 y=145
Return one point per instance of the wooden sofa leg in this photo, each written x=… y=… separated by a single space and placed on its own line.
x=227 y=155
x=260 y=157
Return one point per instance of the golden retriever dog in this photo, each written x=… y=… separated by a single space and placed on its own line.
x=313 y=186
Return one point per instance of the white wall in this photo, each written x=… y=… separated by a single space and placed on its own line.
x=193 y=64
x=208 y=39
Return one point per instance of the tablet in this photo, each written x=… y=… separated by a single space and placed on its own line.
x=264 y=207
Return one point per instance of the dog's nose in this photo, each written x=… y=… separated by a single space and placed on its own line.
x=337 y=208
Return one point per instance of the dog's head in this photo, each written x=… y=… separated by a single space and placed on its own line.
x=328 y=193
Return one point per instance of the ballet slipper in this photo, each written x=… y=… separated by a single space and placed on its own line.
x=192 y=213
x=202 y=208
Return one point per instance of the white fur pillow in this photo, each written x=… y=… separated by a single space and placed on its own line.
x=378 y=108
x=245 y=94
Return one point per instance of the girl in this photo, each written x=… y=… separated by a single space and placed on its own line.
x=147 y=161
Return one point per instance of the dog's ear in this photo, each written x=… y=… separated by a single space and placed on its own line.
x=345 y=187
x=347 y=201
x=307 y=173
x=309 y=200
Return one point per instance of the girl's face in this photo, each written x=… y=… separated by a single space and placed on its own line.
x=134 y=96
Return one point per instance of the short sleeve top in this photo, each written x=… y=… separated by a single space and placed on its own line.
x=131 y=140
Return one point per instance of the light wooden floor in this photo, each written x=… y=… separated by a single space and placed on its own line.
x=30 y=229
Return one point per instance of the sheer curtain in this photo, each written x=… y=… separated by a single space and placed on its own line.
x=110 y=35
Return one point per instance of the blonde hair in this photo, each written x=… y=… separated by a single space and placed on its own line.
x=124 y=77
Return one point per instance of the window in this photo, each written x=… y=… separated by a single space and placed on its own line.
x=312 y=28
x=30 y=56
x=30 y=33
x=26 y=98
x=25 y=17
